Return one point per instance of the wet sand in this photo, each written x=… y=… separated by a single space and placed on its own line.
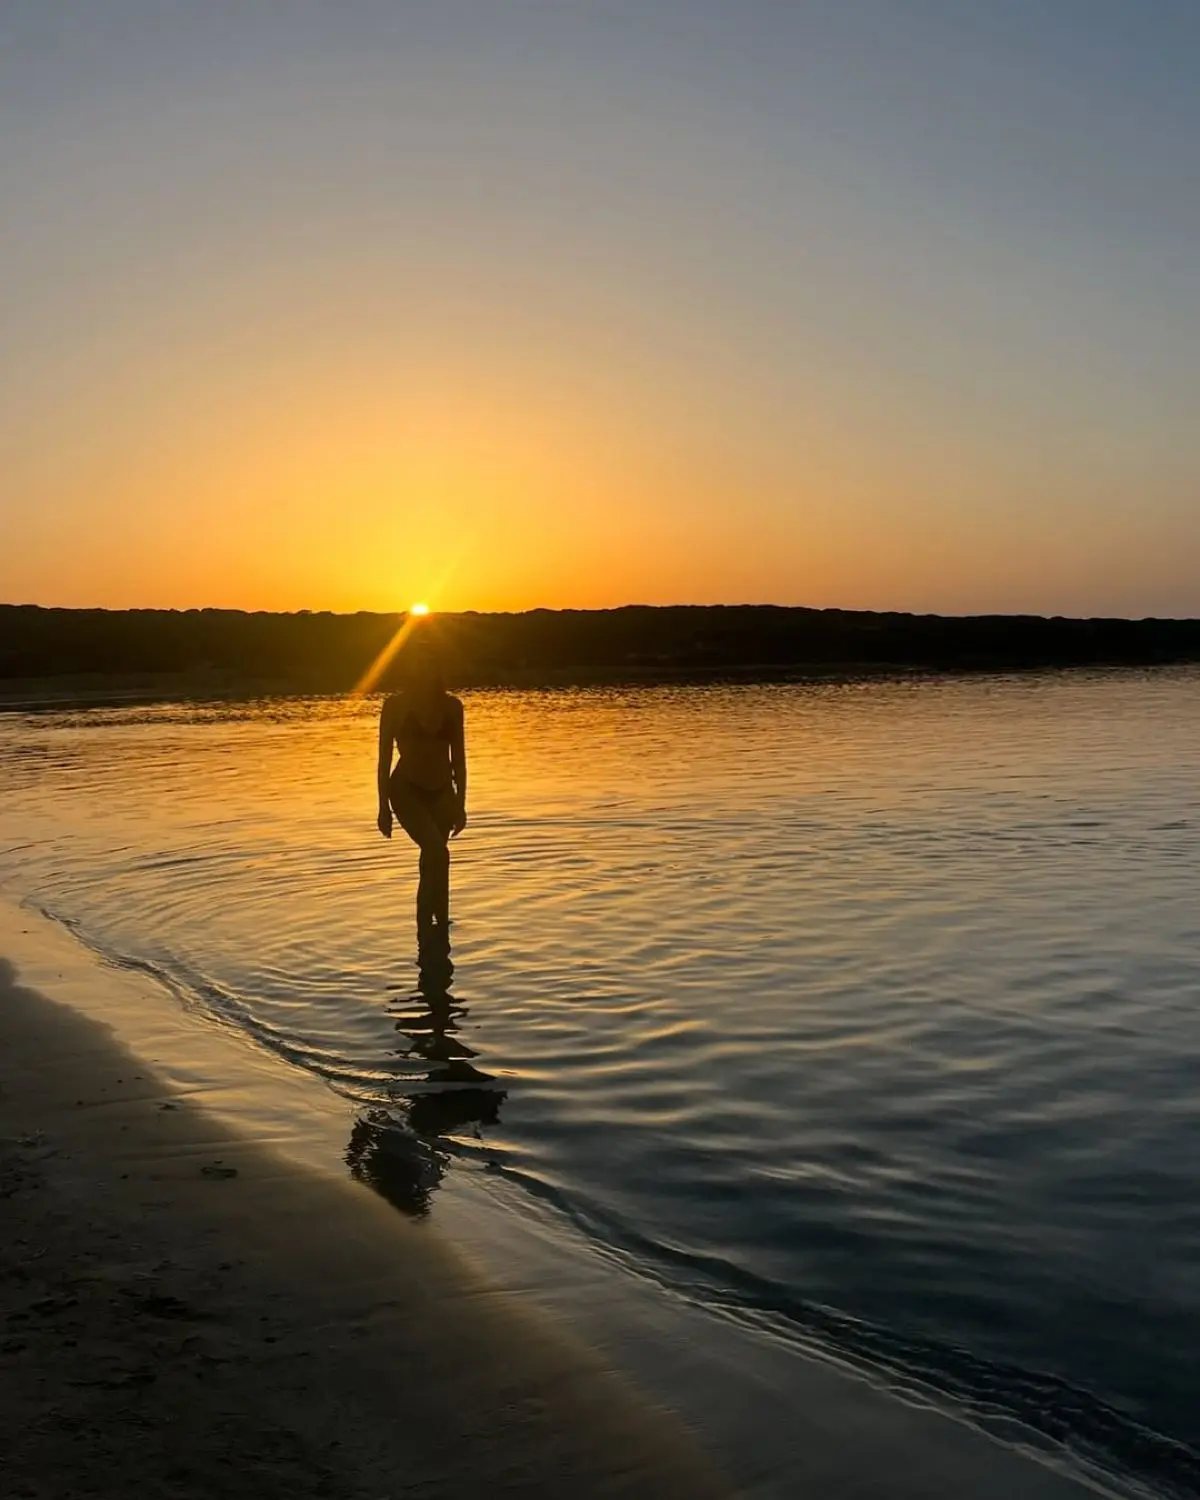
x=173 y=1329
x=184 y=1311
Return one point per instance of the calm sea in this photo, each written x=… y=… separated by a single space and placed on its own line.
x=868 y=1014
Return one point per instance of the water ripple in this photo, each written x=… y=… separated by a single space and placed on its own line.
x=864 y=1015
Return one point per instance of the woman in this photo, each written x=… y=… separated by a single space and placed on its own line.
x=427 y=789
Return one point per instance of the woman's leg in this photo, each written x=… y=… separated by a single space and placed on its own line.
x=433 y=892
x=435 y=858
x=422 y=819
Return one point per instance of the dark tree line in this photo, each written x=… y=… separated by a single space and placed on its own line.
x=328 y=652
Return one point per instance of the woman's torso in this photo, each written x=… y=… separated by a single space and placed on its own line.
x=422 y=734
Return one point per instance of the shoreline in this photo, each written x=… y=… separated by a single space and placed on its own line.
x=543 y=1376
x=220 y=648
x=187 y=1311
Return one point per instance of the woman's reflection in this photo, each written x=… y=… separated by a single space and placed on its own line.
x=402 y=1151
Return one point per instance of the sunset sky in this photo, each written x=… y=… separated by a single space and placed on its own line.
x=872 y=303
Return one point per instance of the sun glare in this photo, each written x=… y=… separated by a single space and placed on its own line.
x=375 y=671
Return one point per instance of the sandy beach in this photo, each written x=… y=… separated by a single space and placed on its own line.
x=185 y=1315
x=187 y=1312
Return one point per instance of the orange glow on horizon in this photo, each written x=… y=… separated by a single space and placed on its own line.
x=491 y=481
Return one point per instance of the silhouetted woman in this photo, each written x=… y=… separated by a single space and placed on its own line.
x=427 y=789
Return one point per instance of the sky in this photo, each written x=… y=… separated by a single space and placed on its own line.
x=886 y=304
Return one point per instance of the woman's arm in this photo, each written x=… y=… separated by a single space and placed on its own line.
x=383 y=768
x=458 y=766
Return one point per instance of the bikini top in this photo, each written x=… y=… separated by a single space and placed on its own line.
x=412 y=728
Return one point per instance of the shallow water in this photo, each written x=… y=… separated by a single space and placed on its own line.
x=865 y=1014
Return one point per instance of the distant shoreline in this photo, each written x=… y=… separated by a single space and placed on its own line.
x=60 y=657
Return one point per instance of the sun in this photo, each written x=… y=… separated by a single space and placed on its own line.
x=418 y=609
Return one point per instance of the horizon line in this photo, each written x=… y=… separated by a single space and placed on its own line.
x=546 y=609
